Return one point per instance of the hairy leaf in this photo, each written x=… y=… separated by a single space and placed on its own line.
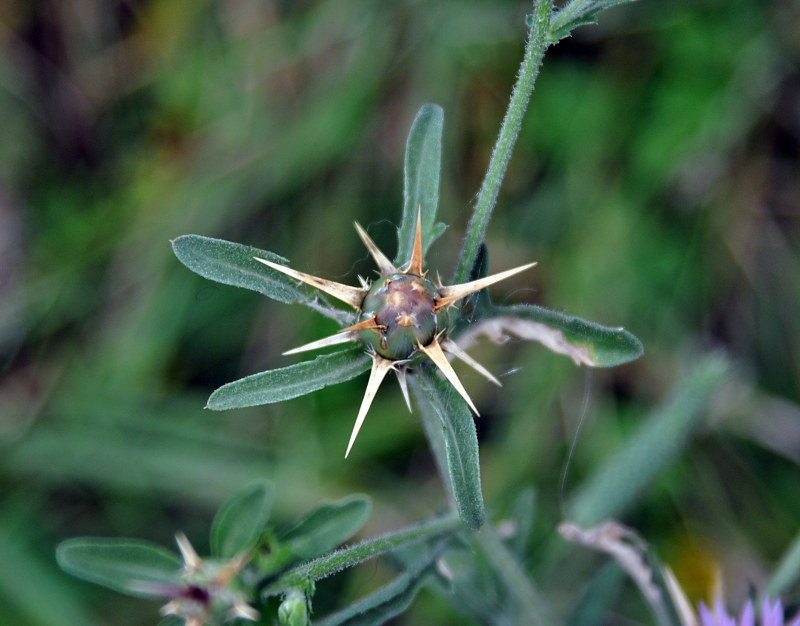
x=326 y=527
x=131 y=566
x=240 y=522
x=234 y=264
x=583 y=341
x=421 y=181
x=290 y=382
x=461 y=446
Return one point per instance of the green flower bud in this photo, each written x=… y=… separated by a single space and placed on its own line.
x=293 y=611
x=403 y=306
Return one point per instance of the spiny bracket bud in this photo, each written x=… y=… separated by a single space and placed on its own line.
x=403 y=307
x=402 y=316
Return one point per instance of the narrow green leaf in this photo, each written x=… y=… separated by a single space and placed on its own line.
x=421 y=181
x=461 y=445
x=348 y=557
x=626 y=474
x=522 y=514
x=578 y=13
x=326 y=527
x=32 y=590
x=240 y=522
x=233 y=264
x=583 y=341
x=597 y=599
x=130 y=566
x=388 y=601
x=290 y=382
x=787 y=572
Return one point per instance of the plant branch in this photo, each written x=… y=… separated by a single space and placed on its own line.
x=534 y=53
x=348 y=557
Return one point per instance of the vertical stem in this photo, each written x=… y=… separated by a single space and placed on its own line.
x=534 y=53
x=532 y=604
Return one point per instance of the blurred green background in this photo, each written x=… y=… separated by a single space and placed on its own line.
x=656 y=180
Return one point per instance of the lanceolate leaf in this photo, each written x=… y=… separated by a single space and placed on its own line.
x=327 y=527
x=583 y=341
x=130 y=566
x=461 y=446
x=290 y=382
x=240 y=522
x=421 y=181
x=233 y=264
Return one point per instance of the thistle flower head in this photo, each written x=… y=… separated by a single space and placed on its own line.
x=403 y=317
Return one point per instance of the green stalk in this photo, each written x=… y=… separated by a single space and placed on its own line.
x=348 y=557
x=533 y=605
x=487 y=198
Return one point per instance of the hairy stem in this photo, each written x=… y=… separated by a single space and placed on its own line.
x=534 y=52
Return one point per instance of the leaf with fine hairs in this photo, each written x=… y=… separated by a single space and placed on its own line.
x=290 y=382
x=240 y=522
x=235 y=264
x=461 y=446
x=326 y=527
x=130 y=566
x=585 y=342
x=421 y=181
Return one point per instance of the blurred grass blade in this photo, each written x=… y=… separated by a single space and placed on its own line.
x=129 y=566
x=290 y=382
x=461 y=446
x=390 y=600
x=421 y=181
x=522 y=514
x=597 y=599
x=624 y=477
x=240 y=522
x=583 y=341
x=327 y=527
x=32 y=590
x=348 y=557
x=511 y=576
x=578 y=13
x=233 y=264
x=787 y=571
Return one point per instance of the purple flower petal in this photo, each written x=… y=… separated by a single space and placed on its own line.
x=748 y=615
x=771 y=614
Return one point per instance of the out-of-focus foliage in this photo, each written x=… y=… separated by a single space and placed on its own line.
x=656 y=181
